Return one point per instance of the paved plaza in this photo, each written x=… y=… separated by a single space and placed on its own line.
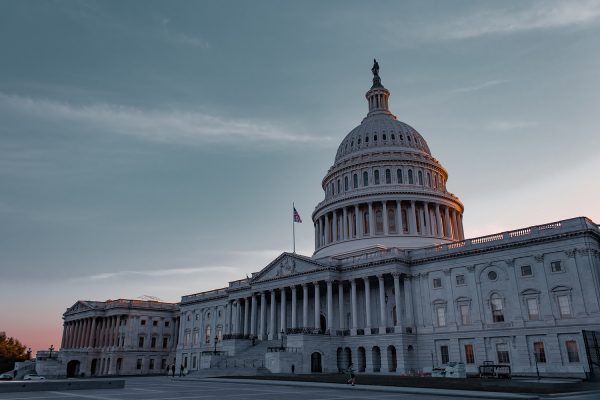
x=163 y=388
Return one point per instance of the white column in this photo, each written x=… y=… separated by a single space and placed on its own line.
x=320 y=232
x=413 y=219
x=253 y=316
x=357 y=219
x=294 y=307
x=422 y=221
x=371 y=220
x=330 y=306
x=398 y=325
x=382 y=315
x=317 y=305
x=282 y=323
x=346 y=233
x=304 y=305
x=399 y=224
x=461 y=232
x=272 y=327
x=367 y=305
x=427 y=219
x=263 y=315
x=354 y=306
x=342 y=315
x=246 y=316
x=234 y=319
x=316 y=234
x=455 y=235
x=438 y=221
x=334 y=233
x=386 y=229
x=327 y=237
x=408 y=300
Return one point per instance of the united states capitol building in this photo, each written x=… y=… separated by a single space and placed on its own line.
x=393 y=286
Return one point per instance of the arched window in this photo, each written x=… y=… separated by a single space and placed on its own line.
x=410 y=177
x=393 y=137
x=384 y=137
x=497 y=304
x=399 y=175
x=332 y=189
x=428 y=179
x=365 y=179
x=404 y=216
x=420 y=174
x=392 y=220
x=339 y=188
x=366 y=223
x=408 y=137
x=435 y=181
x=376 y=176
x=375 y=138
x=346 y=183
x=207 y=333
x=378 y=221
x=366 y=139
x=388 y=176
x=355 y=179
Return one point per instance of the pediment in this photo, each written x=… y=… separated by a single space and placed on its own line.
x=287 y=264
x=79 y=306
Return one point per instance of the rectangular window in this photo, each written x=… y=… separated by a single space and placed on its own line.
x=572 y=351
x=141 y=342
x=497 y=310
x=163 y=363
x=526 y=270
x=377 y=177
x=143 y=322
x=388 y=176
x=469 y=354
x=437 y=283
x=460 y=280
x=502 y=353
x=555 y=266
x=154 y=323
x=165 y=342
x=465 y=317
x=153 y=343
x=194 y=362
x=539 y=352
x=441 y=316
x=186 y=340
x=151 y=366
x=533 y=309
x=564 y=306
x=355 y=181
x=196 y=337
x=167 y=324
x=444 y=354
x=138 y=364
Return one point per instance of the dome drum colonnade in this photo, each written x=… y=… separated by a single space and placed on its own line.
x=385 y=188
x=247 y=317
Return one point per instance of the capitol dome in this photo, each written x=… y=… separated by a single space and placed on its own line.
x=385 y=189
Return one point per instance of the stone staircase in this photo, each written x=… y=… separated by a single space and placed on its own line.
x=252 y=357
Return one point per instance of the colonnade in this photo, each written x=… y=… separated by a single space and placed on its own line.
x=247 y=316
x=396 y=217
x=91 y=332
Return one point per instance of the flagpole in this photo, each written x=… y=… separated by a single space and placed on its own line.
x=293 y=227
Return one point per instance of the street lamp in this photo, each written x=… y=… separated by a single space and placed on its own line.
x=537 y=370
x=51 y=349
x=216 y=339
x=282 y=333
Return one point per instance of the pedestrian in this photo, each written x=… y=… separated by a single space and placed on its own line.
x=181 y=370
x=350 y=371
x=173 y=369
x=293 y=368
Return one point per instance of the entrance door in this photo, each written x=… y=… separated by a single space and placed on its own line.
x=323 y=323
x=315 y=362
x=73 y=368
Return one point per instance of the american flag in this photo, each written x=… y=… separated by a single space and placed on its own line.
x=297 y=216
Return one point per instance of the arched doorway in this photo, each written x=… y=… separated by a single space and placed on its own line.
x=119 y=365
x=323 y=323
x=315 y=362
x=392 y=361
x=376 y=354
x=94 y=367
x=73 y=368
x=362 y=359
x=347 y=358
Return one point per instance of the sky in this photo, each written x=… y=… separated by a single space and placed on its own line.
x=152 y=148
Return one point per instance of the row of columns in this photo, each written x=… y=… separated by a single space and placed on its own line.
x=359 y=220
x=251 y=320
x=91 y=332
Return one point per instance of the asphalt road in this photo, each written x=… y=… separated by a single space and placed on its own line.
x=163 y=388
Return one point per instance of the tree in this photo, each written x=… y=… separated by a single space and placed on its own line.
x=11 y=350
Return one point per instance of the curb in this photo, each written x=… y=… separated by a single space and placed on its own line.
x=388 y=389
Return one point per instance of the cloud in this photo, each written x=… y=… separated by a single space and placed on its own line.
x=173 y=126
x=157 y=273
x=480 y=86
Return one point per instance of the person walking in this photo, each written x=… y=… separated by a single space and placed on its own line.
x=181 y=370
x=173 y=369
x=350 y=371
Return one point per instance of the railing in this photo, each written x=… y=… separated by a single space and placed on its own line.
x=139 y=303
x=374 y=331
x=306 y=331
x=345 y=332
x=239 y=283
x=204 y=295
x=46 y=355
x=233 y=336
x=389 y=330
x=360 y=332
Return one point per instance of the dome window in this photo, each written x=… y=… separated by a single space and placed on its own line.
x=339 y=188
x=428 y=179
x=408 y=137
x=420 y=174
x=352 y=143
x=365 y=179
x=374 y=138
x=346 y=183
x=388 y=176
x=399 y=175
x=393 y=137
x=384 y=137
x=366 y=139
x=358 y=140
x=401 y=137
x=376 y=176
x=410 y=177
x=355 y=181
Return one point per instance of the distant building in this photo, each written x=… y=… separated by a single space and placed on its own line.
x=393 y=285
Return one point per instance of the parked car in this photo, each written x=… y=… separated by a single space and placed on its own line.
x=6 y=377
x=33 y=377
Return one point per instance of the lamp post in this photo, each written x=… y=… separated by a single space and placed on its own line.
x=537 y=370
x=282 y=333
x=51 y=349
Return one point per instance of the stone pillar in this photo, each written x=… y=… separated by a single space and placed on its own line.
x=316 y=234
x=427 y=219
x=253 y=307
x=330 y=306
x=334 y=233
x=63 y=340
x=294 y=307
x=461 y=233
x=99 y=333
x=398 y=325
x=263 y=315
x=283 y=317
x=320 y=232
x=408 y=301
x=317 y=305
x=399 y=224
x=214 y=321
x=371 y=220
x=346 y=233
x=438 y=222
x=455 y=235
x=304 y=305
x=448 y=230
x=234 y=314
x=78 y=332
x=422 y=221
x=382 y=313
x=117 y=330
x=354 y=307
x=367 y=305
x=413 y=218
x=246 y=316
x=357 y=221
x=327 y=237
x=341 y=305
x=386 y=229
x=88 y=333
x=272 y=326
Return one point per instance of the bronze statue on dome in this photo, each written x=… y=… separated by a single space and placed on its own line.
x=375 y=69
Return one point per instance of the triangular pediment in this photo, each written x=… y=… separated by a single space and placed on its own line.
x=287 y=264
x=79 y=306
